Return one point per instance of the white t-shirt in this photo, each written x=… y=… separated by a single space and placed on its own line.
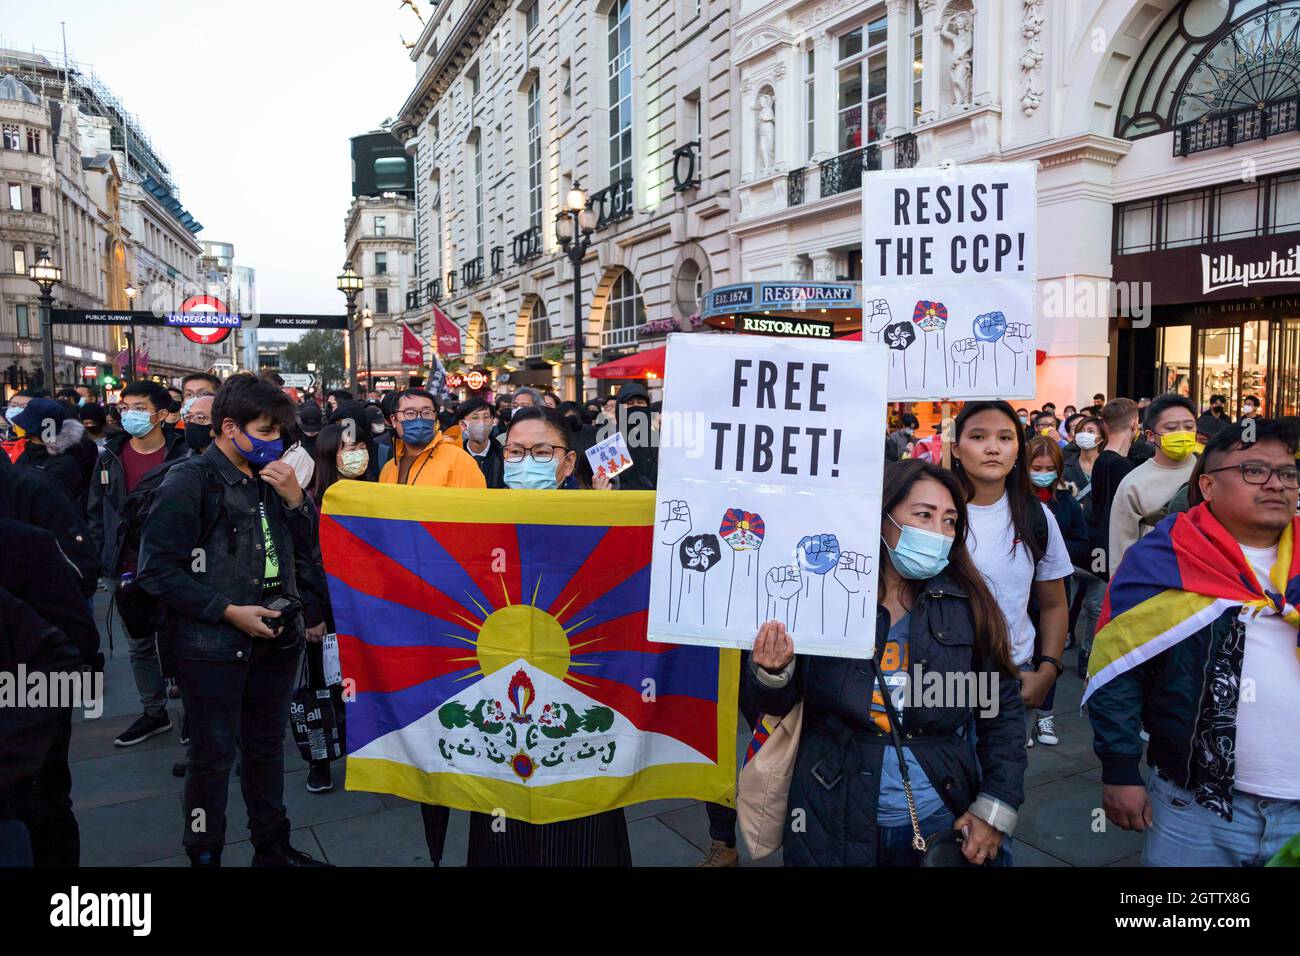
x=1011 y=577
x=1268 y=713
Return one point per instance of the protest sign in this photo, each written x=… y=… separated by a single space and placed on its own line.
x=770 y=463
x=495 y=644
x=949 y=279
x=329 y=650
x=610 y=456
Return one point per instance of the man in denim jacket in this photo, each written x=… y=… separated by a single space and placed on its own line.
x=232 y=531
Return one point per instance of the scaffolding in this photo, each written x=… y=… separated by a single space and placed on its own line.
x=46 y=72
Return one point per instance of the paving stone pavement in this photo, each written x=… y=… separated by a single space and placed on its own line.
x=127 y=801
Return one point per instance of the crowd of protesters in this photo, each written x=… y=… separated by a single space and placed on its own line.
x=197 y=508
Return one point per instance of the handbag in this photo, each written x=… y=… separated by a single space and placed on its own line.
x=943 y=847
x=317 y=726
x=763 y=790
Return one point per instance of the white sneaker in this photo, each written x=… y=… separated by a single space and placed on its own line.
x=1047 y=732
x=1030 y=742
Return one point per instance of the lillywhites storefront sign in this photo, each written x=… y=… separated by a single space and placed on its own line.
x=1220 y=272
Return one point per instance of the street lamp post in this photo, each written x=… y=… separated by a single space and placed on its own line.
x=349 y=283
x=131 y=292
x=573 y=227
x=46 y=275
x=367 y=323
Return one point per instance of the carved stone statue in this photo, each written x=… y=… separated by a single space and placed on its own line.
x=959 y=31
x=765 y=111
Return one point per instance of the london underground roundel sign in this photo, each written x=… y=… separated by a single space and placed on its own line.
x=198 y=309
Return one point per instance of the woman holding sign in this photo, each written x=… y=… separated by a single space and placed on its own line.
x=942 y=656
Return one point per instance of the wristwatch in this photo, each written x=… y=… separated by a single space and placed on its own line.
x=1051 y=660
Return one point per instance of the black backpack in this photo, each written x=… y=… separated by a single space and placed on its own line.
x=136 y=508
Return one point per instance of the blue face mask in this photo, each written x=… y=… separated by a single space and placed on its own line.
x=418 y=432
x=137 y=423
x=920 y=554
x=1043 y=479
x=530 y=473
x=263 y=452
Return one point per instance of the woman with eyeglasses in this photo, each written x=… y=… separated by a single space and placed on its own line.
x=936 y=623
x=538 y=455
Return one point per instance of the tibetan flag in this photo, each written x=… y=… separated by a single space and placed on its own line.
x=1177 y=579
x=494 y=654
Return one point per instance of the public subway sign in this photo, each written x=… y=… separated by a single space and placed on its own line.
x=763 y=325
x=768 y=499
x=255 y=320
x=1220 y=272
x=949 y=279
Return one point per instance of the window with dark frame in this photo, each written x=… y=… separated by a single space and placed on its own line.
x=381 y=301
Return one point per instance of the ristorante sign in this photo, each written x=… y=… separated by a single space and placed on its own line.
x=1237 y=269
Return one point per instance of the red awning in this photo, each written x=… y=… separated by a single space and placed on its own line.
x=647 y=364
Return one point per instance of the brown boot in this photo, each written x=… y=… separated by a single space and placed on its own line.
x=720 y=855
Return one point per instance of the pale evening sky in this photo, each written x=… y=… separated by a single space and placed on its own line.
x=251 y=104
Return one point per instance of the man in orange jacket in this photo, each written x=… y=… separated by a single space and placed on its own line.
x=422 y=456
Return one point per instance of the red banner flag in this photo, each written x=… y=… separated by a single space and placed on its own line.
x=447 y=333
x=412 y=350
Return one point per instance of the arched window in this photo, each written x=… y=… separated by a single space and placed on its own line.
x=624 y=312
x=539 y=330
x=1210 y=57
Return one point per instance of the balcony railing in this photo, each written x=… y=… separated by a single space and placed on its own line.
x=794 y=188
x=434 y=290
x=686 y=167
x=527 y=245
x=412 y=300
x=1239 y=126
x=842 y=173
x=619 y=338
x=471 y=273
x=451 y=281
x=498 y=258
x=614 y=202
x=905 y=151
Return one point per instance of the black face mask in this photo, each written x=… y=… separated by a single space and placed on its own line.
x=198 y=437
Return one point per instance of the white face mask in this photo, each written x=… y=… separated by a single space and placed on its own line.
x=1086 y=440
x=477 y=431
x=353 y=463
x=378 y=428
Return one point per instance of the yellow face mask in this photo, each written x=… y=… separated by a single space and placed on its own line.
x=1178 y=445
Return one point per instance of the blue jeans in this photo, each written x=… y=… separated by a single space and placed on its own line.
x=1184 y=833
x=894 y=844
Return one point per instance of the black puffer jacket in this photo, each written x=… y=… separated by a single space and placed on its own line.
x=108 y=493
x=837 y=772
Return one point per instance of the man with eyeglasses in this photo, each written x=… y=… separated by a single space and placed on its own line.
x=1198 y=645
x=422 y=455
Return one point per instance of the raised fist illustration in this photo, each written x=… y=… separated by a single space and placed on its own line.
x=880 y=315
x=1018 y=336
x=852 y=571
x=677 y=524
x=930 y=316
x=818 y=553
x=741 y=529
x=990 y=326
x=783 y=582
x=700 y=552
x=965 y=351
x=900 y=335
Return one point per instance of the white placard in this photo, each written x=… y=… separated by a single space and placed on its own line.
x=949 y=276
x=770 y=464
x=609 y=457
x=329 y=651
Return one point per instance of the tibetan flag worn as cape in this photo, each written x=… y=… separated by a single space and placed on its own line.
x=1176 y=580
x=495 y=642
